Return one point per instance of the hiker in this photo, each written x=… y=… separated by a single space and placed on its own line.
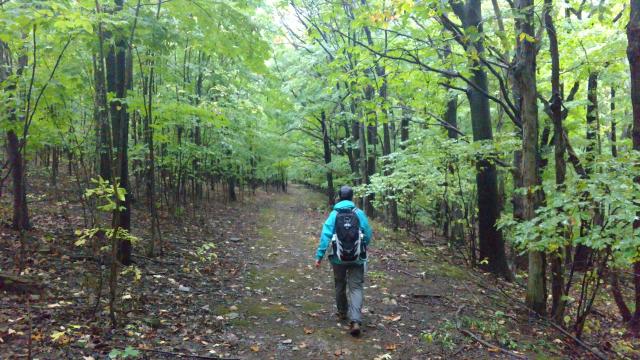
x=346 y=235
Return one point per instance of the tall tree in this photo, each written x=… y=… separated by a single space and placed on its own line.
x=525 y=76
x=15 y=147
x=117 y=82
x=491 y=241
x=633 y=54
x=327 y=156
x=556 y=258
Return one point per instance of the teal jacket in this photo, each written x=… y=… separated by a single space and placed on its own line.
x=329 y=227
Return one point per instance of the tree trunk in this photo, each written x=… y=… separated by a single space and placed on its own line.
x=633 y=54
x=582 y=253
x=614 y=136
x=327 y=158
x=231 y=188
x=355 y=133
x=392 y=208
x=491 y=242
x=404 y=127
x=372 y=132
x=117 y=83
x=557 y=263
x=362 y=141
x=14 y=155
x=102 y=118
x=16 y=162
x=451 y=116
x=525 y=75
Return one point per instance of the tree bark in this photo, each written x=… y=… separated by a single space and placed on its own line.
x=557 y=263
x=16 y=163
x=525 y=75
x=633 y=54
x=404 y=127
x=117 y=83
x=491 y=242
x=614 y=136
x=15 y=159
x=327 y=157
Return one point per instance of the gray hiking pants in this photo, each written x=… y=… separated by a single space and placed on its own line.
x=349 y=295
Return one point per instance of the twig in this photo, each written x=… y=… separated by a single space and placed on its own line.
x=154 y=260
x=491 y=346
x=457 y=316
x=182 y=355
x=424 y=296
x=409 y=274
x=597 y=353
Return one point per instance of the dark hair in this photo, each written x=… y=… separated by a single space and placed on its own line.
x=345 y=193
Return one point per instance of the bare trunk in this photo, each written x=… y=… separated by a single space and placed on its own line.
x=16 y=162
x=327 y=157
x=491 y=242
x=525 y=75
x=633 y=54
x=117 y=83
x=14 y=147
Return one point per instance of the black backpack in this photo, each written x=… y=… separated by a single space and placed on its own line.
x=348 y=245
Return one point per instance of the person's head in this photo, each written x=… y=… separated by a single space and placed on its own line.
x=345 y=193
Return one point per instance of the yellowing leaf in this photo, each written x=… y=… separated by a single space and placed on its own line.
x=255 y=348
x=524 y=36
x=391 y=347
x=60 y=338
x=392 y=318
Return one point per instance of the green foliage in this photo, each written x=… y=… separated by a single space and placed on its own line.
x=108 y=195
x=607 y=207
x=207 y=252
x=126 y=353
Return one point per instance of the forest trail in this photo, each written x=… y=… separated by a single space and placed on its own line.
x=261 y=297
x=284 y=308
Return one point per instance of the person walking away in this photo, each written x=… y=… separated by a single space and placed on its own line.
x=345 y=236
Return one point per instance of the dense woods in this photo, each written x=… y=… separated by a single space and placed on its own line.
x=507 y=131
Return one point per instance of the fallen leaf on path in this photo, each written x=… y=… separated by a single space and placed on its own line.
x=308 y=331
x=255 y=348
x=391 y=347
x=392 y=318
x=341 y=352
x=60 y=338
x=383 y=357
x=37 y=336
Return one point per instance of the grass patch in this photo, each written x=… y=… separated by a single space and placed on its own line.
x=310 y=306
x=330 y=333
x=448 y=270
x=221 y=310
x=263 y=310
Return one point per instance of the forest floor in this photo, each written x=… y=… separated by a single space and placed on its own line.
x=261 y=297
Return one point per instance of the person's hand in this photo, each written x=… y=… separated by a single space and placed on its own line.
x=317 y=264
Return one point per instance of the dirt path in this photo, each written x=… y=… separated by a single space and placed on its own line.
x=285 y=309
x=261 y=298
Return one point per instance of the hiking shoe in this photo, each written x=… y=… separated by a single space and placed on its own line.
x=341 y=316
x=355 y=329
